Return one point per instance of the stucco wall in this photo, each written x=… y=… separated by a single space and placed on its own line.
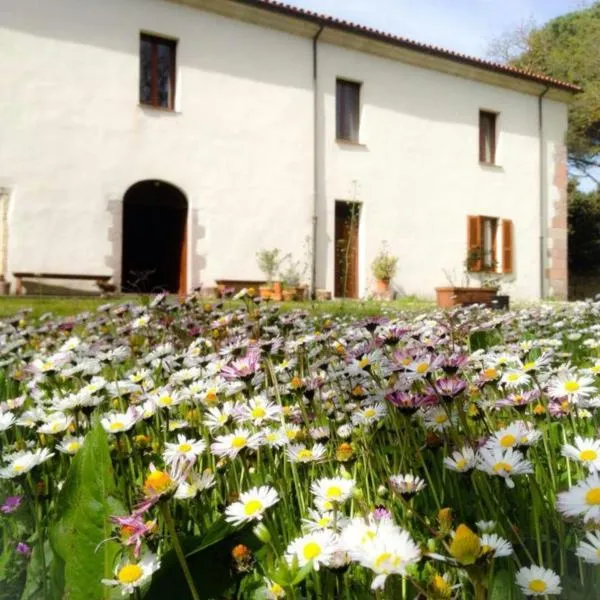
x=240 y=146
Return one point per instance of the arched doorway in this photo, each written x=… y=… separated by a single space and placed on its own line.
x=154 y=238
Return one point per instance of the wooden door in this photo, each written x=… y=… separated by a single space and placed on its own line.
x=347 y=219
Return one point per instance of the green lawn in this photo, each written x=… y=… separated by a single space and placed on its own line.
x=64 y=306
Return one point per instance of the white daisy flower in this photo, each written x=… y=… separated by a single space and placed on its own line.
x=119 y=422
x=572 y=386
x=537 y=581
x=407 y=485
x=319 y=520
x=273 y=591
x=497 y=544
x=585 y=451
x=6 y=420
x=217 y=417
x=503 y=463
x=232 y=444
x=23 y=462
x=486 y=526
x=437 y=419
x=258 y=411
x=70 y=445
x=514 y=378
x=55 y=423
x=582 y=500
x=194 y=484
x=344 y=431
x=589 y=549
x=300 y=453
x=516 y=434
x=369 y=415
x=184 y=449
x=275 y=438
x=166 y=398
x=462 y=460
x=129 y=575
x=251 y=505
x=318 y=547
x=331 y=491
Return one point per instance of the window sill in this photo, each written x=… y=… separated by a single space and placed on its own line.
x=350 y=143
x=160 y=109
x=491 y=166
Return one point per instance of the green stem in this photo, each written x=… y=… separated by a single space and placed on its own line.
x=166 y=511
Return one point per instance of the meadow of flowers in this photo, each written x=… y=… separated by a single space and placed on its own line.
x=177 y=449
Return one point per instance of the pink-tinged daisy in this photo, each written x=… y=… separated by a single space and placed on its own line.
x=582 y=500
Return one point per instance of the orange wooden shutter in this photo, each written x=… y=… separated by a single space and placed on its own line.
x=474 y=243
x=507 y=246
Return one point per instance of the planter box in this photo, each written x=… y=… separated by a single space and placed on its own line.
x=448 y=297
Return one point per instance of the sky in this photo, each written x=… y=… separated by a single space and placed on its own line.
x=466 y=26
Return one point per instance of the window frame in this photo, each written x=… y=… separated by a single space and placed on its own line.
x=155 y=41
x=491 y=118
x=343 y=123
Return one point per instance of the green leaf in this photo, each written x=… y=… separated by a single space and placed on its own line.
x=84 y=506
x=483 y=340
x=502 y=587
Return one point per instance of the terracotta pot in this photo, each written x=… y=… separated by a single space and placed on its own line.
x=301 y=292
x=382 y=286
x=265 y=291
x=289 y=294
x=448 y=297
x=276 y=293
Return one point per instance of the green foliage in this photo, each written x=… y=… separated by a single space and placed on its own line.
x=384 y=264
x=584 y=231
x=566 y=48
x=78 y=536
x=268 y=262
x=484 y=340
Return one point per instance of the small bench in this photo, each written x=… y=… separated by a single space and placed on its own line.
x=101 y=280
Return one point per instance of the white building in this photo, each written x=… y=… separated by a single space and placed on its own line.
x=164 y=142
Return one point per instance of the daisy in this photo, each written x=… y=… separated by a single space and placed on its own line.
x=166 y=398
x=514 y=378
x=232 y=444
x=407 y=485
x=194 y=484
x=585 y=451
x=516 y=434
x=494 y=543
x=119 y=422
x=569 y=385
x=537 y=581
x=55 y=423
x=486 y=526
x=273 y=591
x=70 y=445
x=436 y=419
x=462 y=460
x=300 y=453
x=317 y=547
x=369 y=415
x=582 y=499
x=216 y=417
x=333 y=491
x=503 y=463
x=319 y=520
x=275 y=438
x=589 y=550
x=184 y=449
x=6 y=420
x=258 y=410
x=130 y=575
x=23 y=462
x=251 y=505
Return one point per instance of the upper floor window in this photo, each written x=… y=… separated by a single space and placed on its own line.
x=487 y=137
x=347 y=110
x=157 y=71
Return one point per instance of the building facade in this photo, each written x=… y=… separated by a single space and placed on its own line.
x=165 y=142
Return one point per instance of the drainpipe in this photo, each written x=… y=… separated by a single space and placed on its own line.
x=313 y=274
x=543 y=197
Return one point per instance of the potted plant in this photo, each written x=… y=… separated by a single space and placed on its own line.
x=384 y=268
x=464 y=295
x=291 y=276
x=268 y=263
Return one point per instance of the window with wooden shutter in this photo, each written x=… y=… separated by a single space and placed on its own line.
x=474 y=241
x=507 y=246
x=487 y=137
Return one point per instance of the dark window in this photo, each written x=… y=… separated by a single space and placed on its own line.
x=487 y=137
x=157 y=71
x=348 y=110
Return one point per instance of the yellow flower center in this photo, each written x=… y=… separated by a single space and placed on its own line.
x=440 y=418
x=276 y=589
x=537 y=585
x=508 y=440
x=539 y=409
x=571 y=386
x=73 y=446
x=384 y=557
x=502 y=466
x=166 y=400
x=324 y=521
x=252 y=507
x=441 y=586
x=157 y=482
x=211 y=395
x=490 y=373
x=129 y=574
x=363 y=363
x=588 y=455
x=369 y=412
x=422 y=368
x=238 y=442
x=305 y=454
x=55 y=427
x=117 y=426
x=258 y=413
x=18 y=468
x=593 y=497
x=334 y=492
x=311 y=550
x=184 y=447
x=512 y=377
x=461 y=463
x=291 y=434
x=529 y=366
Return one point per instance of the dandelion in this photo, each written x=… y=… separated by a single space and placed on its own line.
x=582 y=500
x=537 y=581
x=251 y=505
x=132 y=575
x=317 y=547
x=586 y=451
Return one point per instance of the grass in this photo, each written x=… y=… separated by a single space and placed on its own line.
x=71 y=305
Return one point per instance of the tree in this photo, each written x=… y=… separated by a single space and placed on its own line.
x=584 y=231
x=566 y=48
